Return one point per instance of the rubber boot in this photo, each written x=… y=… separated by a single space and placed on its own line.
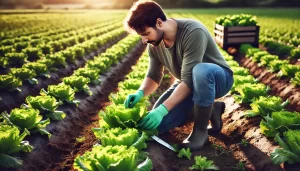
x=216 y=118
x=199 y=135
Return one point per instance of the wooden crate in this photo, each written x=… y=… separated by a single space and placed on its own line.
x=237 y=35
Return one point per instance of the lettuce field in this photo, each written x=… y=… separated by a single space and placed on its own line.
x=64 y=76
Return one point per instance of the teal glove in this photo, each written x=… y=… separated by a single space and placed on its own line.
x=133 y=99
x=154 y=118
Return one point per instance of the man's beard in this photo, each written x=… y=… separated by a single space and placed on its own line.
x=157 y=42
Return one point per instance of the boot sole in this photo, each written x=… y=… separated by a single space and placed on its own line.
x=215 y=131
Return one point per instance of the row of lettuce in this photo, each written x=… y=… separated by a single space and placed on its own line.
x=31 y=50
x=28 y=118
x=273 y=63
x=44 y=24
x=42 y=67
x=120 y=141
x=276 y=121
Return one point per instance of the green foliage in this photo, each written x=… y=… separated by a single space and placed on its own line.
x=240 y=71
x=280 y=122
x=237 y=20
x=240 y=80
x=9 y=83
x=118 y=136
x=14 y=59
x=12 y=142
x=78 y=83
x=203 y=164
x=61 y=92
x=24 y=74
x=92 y=74
x=296 y=79
x=290 y=148
x=266 y=105
x=33 y=53
x=249 y=92
x=38 y=67
x=295 y=53
x=119 y=116
x=289 y=70
x=276 y=65
x=111 y=158
x=185 y=152
x=46 y=105
x=28 y=118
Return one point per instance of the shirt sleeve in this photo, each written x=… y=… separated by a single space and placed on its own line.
x=155 y=68
x=194 y=48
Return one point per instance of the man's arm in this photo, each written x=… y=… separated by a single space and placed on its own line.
x=148 y=86
x=178 y=95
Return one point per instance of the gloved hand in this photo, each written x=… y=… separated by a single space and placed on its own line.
x=154 y=118
x=133 y=99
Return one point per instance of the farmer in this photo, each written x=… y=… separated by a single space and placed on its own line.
x=189 y=52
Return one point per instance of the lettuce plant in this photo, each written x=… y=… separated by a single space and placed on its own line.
x=248 y=92
x=15 y=59
x=240 y=80
x=58 y=60
x=38 y=67
x=24 y=74
x=289 y=70
x=92 y=74
x=78 y=83
x=118 y=136
x=112 y=158
x=265 y=60
x=296 y=79
x=46 y=105
x=266 y=105
x=27 y=118
x=275 y=65
x=33 y=53
x=279 y=122
x=240 y=71
x=131 y=84
x=12 y=142
x=203 y=164
x=290 y=148
x=10 y=83
x=185 y=152
x=258 y=55
x=61 y=92
x=97 y=64
x=119 y=116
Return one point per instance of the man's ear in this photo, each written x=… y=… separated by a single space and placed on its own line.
x=159 y=23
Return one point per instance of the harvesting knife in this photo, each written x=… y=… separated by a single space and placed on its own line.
x=162 y=142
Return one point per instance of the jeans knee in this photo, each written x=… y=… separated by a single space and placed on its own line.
x=201 y=72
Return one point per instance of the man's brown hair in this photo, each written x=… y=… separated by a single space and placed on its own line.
x=142 y=14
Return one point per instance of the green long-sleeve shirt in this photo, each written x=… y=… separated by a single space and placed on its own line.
x=193 y=45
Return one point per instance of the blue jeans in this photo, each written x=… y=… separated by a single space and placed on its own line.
x=210 y=81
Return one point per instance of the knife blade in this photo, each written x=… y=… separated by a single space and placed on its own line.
x=162 y=142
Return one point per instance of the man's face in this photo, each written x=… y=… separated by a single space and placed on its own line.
x=152 y=35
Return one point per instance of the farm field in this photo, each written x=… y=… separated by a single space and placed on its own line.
x=65 y=74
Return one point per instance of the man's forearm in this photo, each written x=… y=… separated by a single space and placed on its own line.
x=178 y=95
x=148 y=86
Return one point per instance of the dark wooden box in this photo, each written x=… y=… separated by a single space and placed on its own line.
x=236 y=35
